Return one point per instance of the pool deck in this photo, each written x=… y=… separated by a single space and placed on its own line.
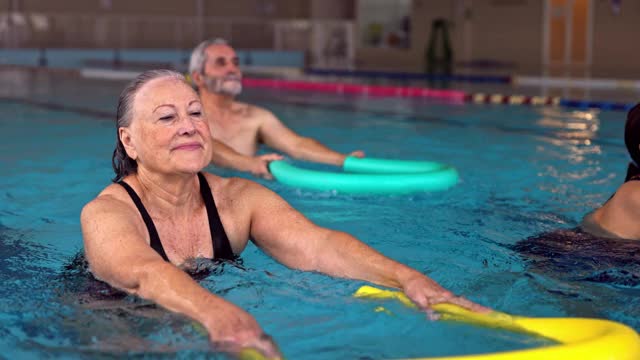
x=606 y=94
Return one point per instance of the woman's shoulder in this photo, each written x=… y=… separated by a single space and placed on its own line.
x=231 y=185
x=625 y=199
x=628 y=194
x=592 y=224
x=617 y=218
x=111 y=199
x=238 y=192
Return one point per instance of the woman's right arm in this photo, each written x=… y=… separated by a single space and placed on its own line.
x=115 y=242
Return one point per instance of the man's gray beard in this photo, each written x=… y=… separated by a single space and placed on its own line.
x=216 y=85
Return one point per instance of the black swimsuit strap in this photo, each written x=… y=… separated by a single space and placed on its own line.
x=219 y=239
x=153 y=233
x=221 y=245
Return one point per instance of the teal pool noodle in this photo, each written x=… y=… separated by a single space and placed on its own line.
x=370 y=176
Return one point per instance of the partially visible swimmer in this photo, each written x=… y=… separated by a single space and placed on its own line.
x=605 y=247
x=619 y=217
x=238 y=128
x=163 y=211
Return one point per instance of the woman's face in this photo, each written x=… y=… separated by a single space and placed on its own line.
x=168 y=131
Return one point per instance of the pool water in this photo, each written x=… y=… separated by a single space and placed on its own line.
x=524 y=172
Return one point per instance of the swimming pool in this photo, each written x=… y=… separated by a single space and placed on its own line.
x=524 y=171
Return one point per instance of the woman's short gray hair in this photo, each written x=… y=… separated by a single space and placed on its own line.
x=199 y=55
x=122 y=164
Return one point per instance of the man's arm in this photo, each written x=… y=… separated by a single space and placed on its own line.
x=276 y=135
x=118 y=253
x=224 y=156
x=292 y=239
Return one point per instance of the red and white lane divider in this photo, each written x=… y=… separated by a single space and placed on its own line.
x=481 y=98
x=345 y=88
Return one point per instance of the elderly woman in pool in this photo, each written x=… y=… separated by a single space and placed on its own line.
x=160 y=213
x=618 y=217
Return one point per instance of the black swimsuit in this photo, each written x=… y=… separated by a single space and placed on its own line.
x=221 y=245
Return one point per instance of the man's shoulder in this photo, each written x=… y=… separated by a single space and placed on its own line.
x=251 y=110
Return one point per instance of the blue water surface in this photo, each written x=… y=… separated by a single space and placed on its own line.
x=525 y=172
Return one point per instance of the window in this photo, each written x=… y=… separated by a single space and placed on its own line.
x=384 y=23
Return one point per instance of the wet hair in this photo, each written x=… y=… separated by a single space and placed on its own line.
x=199 y=55
x=632 y=140
x=122 y=164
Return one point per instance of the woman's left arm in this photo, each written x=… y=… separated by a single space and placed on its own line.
x=296 y=242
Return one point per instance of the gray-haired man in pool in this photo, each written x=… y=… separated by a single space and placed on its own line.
x=242 y=127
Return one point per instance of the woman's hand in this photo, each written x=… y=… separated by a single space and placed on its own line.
x=425 y=293
x=233 y=330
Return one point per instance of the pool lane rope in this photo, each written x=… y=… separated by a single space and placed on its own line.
x=454 y=96
x=370 y=176
x=578 y=338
